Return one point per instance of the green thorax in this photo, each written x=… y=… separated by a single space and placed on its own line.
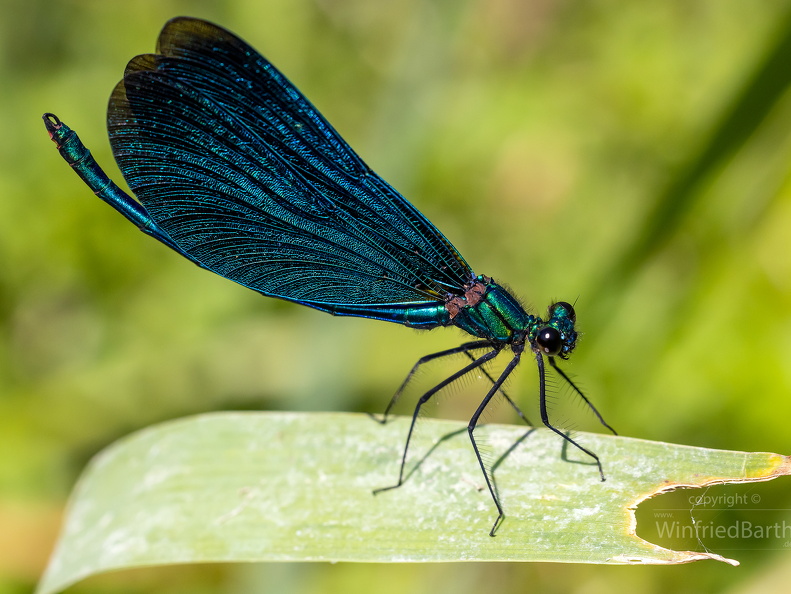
x=488 y=311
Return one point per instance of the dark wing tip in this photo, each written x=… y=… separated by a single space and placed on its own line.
x=140 y=63
x=186 y=32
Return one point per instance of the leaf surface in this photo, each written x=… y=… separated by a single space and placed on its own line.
x=233 y=487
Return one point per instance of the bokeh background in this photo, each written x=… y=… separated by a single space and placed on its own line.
x=635 y=157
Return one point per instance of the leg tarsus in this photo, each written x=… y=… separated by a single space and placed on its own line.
x=496 y=524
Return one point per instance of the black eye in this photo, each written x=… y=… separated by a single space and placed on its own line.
x=549 y=341
x=566 y=309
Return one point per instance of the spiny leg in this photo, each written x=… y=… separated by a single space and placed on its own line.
x=425 y=398
x=581 y=395
x=464 y=348
x=471 y=427
x=503 y=393
x=542 y=401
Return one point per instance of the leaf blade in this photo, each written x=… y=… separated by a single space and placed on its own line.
x=230 y=487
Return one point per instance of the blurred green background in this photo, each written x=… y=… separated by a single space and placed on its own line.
x=633 y=156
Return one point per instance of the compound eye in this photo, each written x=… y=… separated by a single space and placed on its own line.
x=567 y=309
x=549 y=341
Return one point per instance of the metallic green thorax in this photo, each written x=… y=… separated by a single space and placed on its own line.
x=489 y=311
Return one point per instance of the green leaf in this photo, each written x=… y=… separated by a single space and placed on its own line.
x=298 y=486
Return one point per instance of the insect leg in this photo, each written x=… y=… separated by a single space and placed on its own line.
x=425 y=398
x=581 y=395
x=464 y=348
x=471 y=427
x=503 y=394
x=542 y=402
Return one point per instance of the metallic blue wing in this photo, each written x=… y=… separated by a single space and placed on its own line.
x=250 y=180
